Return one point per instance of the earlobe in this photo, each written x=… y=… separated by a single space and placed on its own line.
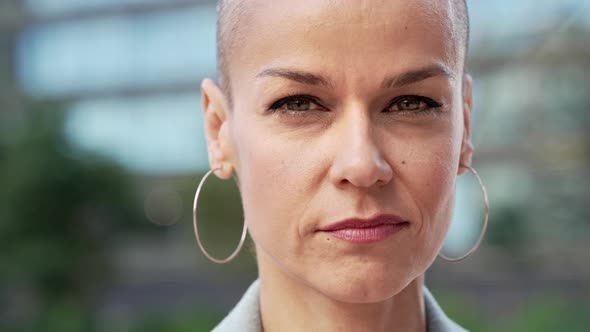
x=215 y=120
x=466 y=145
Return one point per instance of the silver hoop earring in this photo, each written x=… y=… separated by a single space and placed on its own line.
x=485 y=221
x=196 y=227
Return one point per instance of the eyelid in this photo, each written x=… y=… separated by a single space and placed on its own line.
x=277 y=104
x=282 y=101
x=431 y=103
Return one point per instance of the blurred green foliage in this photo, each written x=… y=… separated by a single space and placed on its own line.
x=509 y=231
x=59 y=208
x=542 y=314
x=199 y=320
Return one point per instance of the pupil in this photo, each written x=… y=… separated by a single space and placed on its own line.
x=298 y=105
x=409 y=104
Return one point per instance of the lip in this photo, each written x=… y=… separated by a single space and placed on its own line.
x=359 y=230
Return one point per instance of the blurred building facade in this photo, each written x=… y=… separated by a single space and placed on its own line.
x=129 y=73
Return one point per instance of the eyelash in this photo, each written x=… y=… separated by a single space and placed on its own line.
x=275 y=106
x=431 y=104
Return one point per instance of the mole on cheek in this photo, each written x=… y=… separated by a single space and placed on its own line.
x=403 y=162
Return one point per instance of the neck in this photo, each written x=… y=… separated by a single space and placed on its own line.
x=288 y=304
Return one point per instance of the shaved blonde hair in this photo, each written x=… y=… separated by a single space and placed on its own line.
x=230 y=15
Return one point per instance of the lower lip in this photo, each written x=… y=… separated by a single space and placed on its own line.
x=368 y=234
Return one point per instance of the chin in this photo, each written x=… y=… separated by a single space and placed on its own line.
x=369 y=286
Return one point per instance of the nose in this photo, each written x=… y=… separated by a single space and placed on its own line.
x=359 y=160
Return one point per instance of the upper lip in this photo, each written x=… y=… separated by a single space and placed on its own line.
x=381 y=219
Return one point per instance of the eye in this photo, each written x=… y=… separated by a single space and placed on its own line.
x=413 y=104
x=294 y=104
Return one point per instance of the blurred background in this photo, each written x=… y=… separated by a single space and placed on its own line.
x=101 y=148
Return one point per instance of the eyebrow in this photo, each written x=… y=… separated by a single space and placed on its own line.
x=417 y=75
x=295 y=75
x=397 y=80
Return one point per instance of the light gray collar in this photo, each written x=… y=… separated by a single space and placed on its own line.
x=245 y=316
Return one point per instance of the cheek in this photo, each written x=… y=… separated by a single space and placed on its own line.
x=431 y=176
x=271 y=186
x=435 y=174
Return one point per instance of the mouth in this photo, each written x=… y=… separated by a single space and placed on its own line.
x=358 y=230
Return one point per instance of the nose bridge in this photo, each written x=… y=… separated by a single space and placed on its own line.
x=359 y=159
x=357 y=130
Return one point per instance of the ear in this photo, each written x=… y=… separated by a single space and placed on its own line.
x=466 y=145
x=216 y=114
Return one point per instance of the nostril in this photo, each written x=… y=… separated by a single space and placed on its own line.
x=344 y=182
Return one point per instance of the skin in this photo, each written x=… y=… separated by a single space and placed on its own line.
x=350 y=154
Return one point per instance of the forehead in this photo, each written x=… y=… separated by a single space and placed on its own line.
x=338 y=34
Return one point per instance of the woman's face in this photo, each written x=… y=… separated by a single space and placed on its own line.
x=374 y=122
